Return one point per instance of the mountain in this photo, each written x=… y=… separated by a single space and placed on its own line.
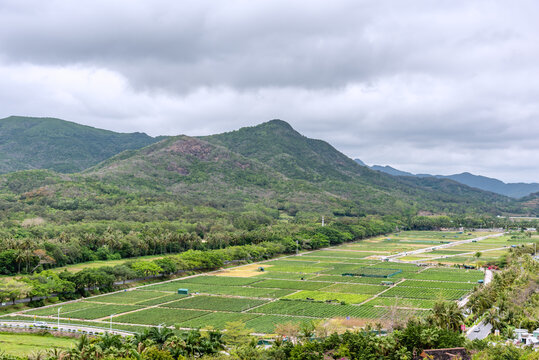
x=360 y=162
x=277 y=144
x=63 y=146
x=391 y=171
x=259 y=172
x=514 y=190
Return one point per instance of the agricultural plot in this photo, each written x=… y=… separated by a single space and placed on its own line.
x=219 y=280
x=328 y=296
x=318 y=310
x=402 y=303
x=97 y=311
x=161 y=300
x=266 y=323
x=217 y=320
x=216 y=303
x=285 y=276
x=133 y=297
x=424 y=293
x=156 y=316
x=290 y=284
x=224 y=290
x=448 y=275
x=65 y=309
x=438 y=284
x=348 y=279
x=295 y=289
x=355 y=288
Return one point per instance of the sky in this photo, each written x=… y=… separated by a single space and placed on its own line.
x=425 y=86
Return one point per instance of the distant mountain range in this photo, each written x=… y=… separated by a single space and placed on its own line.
x=514 y=190
x=48 y=143
x=265 y=169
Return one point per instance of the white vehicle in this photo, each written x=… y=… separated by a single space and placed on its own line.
x=40 y=323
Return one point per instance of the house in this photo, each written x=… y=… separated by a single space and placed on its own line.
x=459 y=353
x=525 y=338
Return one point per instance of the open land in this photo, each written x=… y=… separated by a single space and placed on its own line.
x=346 y=282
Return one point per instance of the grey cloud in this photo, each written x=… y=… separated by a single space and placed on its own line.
x=443 y=86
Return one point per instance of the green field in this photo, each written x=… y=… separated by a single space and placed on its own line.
x=294 y=289
x=26 y=344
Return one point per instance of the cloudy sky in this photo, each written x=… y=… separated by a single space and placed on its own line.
x=426 y=86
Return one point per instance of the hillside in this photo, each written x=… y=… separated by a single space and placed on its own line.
x=277 y=144
x=63 y=146
x=514 y=190
x=264 y=172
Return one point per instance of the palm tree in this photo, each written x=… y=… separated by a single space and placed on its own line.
x=447 y=315
x=160 y=335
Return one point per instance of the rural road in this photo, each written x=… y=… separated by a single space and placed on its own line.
x=395 y=257
x=479 y=331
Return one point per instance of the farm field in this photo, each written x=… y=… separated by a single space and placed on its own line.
x=295 y=289
x=489 y=249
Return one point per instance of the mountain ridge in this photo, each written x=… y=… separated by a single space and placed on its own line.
x=49 y=143
x=514 y=190
x=269 y=168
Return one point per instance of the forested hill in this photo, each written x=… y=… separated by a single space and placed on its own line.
x=277 y=144
x=63 y=146
x=262 y=170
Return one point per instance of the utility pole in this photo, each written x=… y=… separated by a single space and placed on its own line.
x=322 y=221
x=59 y=316
x=297 y=246
x=111 y=315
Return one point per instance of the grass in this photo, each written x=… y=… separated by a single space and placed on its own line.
x=26 y=344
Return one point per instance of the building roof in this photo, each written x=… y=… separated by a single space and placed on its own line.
x=445 y=354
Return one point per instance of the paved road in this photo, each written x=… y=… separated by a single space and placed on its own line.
x=484 y=330
x=63 y=327
x=488 y=276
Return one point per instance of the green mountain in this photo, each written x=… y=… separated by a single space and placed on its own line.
x=514 y=190
x=361 y=189
x=262 y=172
x=63 y=146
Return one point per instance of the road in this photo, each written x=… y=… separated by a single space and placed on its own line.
x=21 y=324
x=484 y=330
x=395 y=257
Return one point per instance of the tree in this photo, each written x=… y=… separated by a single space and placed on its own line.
x=236 y=333
x=146 y=268
x=289 y=330
x=447 y=315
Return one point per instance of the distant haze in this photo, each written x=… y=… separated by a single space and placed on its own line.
x=425 y=86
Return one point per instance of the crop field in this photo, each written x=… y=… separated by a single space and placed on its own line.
x=295 y=289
